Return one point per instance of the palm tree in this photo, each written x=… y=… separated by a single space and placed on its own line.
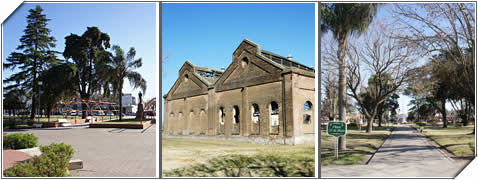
x=343 y=20
x=122 y=66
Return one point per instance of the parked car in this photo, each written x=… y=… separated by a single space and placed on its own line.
x=99 y=113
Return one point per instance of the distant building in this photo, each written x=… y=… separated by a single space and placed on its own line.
x=129 y=104
x=402 y=118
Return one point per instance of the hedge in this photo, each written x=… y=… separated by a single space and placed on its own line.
x=19 y=141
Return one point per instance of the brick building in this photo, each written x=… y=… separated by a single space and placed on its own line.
x=261 y=97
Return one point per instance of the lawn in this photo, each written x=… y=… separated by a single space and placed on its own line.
x=360 y=145
x=457 y=140
x=178 y=153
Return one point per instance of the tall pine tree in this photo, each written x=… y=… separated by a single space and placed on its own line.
x=36 y=56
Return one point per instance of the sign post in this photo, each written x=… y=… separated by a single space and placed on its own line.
x=336 y=129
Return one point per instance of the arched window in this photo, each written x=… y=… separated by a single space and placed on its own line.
x=274 y=114
x=274 y=108
x=222 y=115
x=255 y=110
x=307 y=106
x=244 y=62
x=236 y=115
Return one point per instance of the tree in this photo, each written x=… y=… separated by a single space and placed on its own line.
x=35 y=57
x=386 y=60
x=59 y=81
x=13 y=101
x=343 y=20
x=429 y=83
x=122 y=66
x=87 y=51
x=446 y=29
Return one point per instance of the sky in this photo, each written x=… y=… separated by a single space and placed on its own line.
x=127 y=24
x=207 y=34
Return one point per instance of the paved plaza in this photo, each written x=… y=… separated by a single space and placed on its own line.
x=106 y=152
x=404 y=154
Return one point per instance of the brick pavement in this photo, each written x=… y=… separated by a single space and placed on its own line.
x=107 y=152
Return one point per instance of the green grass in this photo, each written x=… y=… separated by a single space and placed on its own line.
x=457 y=140
x=359 y=146
x=178 y=153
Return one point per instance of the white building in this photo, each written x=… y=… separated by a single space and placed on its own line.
x=402 y=118
x=129 y=104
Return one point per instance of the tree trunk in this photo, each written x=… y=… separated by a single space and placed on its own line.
x=466 y=119
x=121 y=101
x=48 y=114
x=369 y=125
x=379 y=119
x=342 y=83
x=443 y=115
x=84 y=113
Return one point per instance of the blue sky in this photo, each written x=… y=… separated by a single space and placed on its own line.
x=127 y=24
x=207 y=34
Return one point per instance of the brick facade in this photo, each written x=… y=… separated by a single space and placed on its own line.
x=261 y=97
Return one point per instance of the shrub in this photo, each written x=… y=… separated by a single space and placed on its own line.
x=249 y=166
x=53 y=162
x=25 y=169
x=10 y=123
x=19 y=141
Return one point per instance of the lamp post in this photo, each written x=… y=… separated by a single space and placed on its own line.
x=39 y=92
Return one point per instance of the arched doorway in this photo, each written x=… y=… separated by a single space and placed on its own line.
x=256 y=119
x=236 y=121
x=274 y=118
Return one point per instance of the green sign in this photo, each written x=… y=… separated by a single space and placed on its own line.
x=336 y=128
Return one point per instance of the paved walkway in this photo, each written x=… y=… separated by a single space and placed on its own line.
x=106 y=152
x=404 y=154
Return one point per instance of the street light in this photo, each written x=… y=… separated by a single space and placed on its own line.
x=39 y=92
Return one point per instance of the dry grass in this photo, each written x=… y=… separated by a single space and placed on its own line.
x=182 y=152
x=457 y=140
x=359 y=146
